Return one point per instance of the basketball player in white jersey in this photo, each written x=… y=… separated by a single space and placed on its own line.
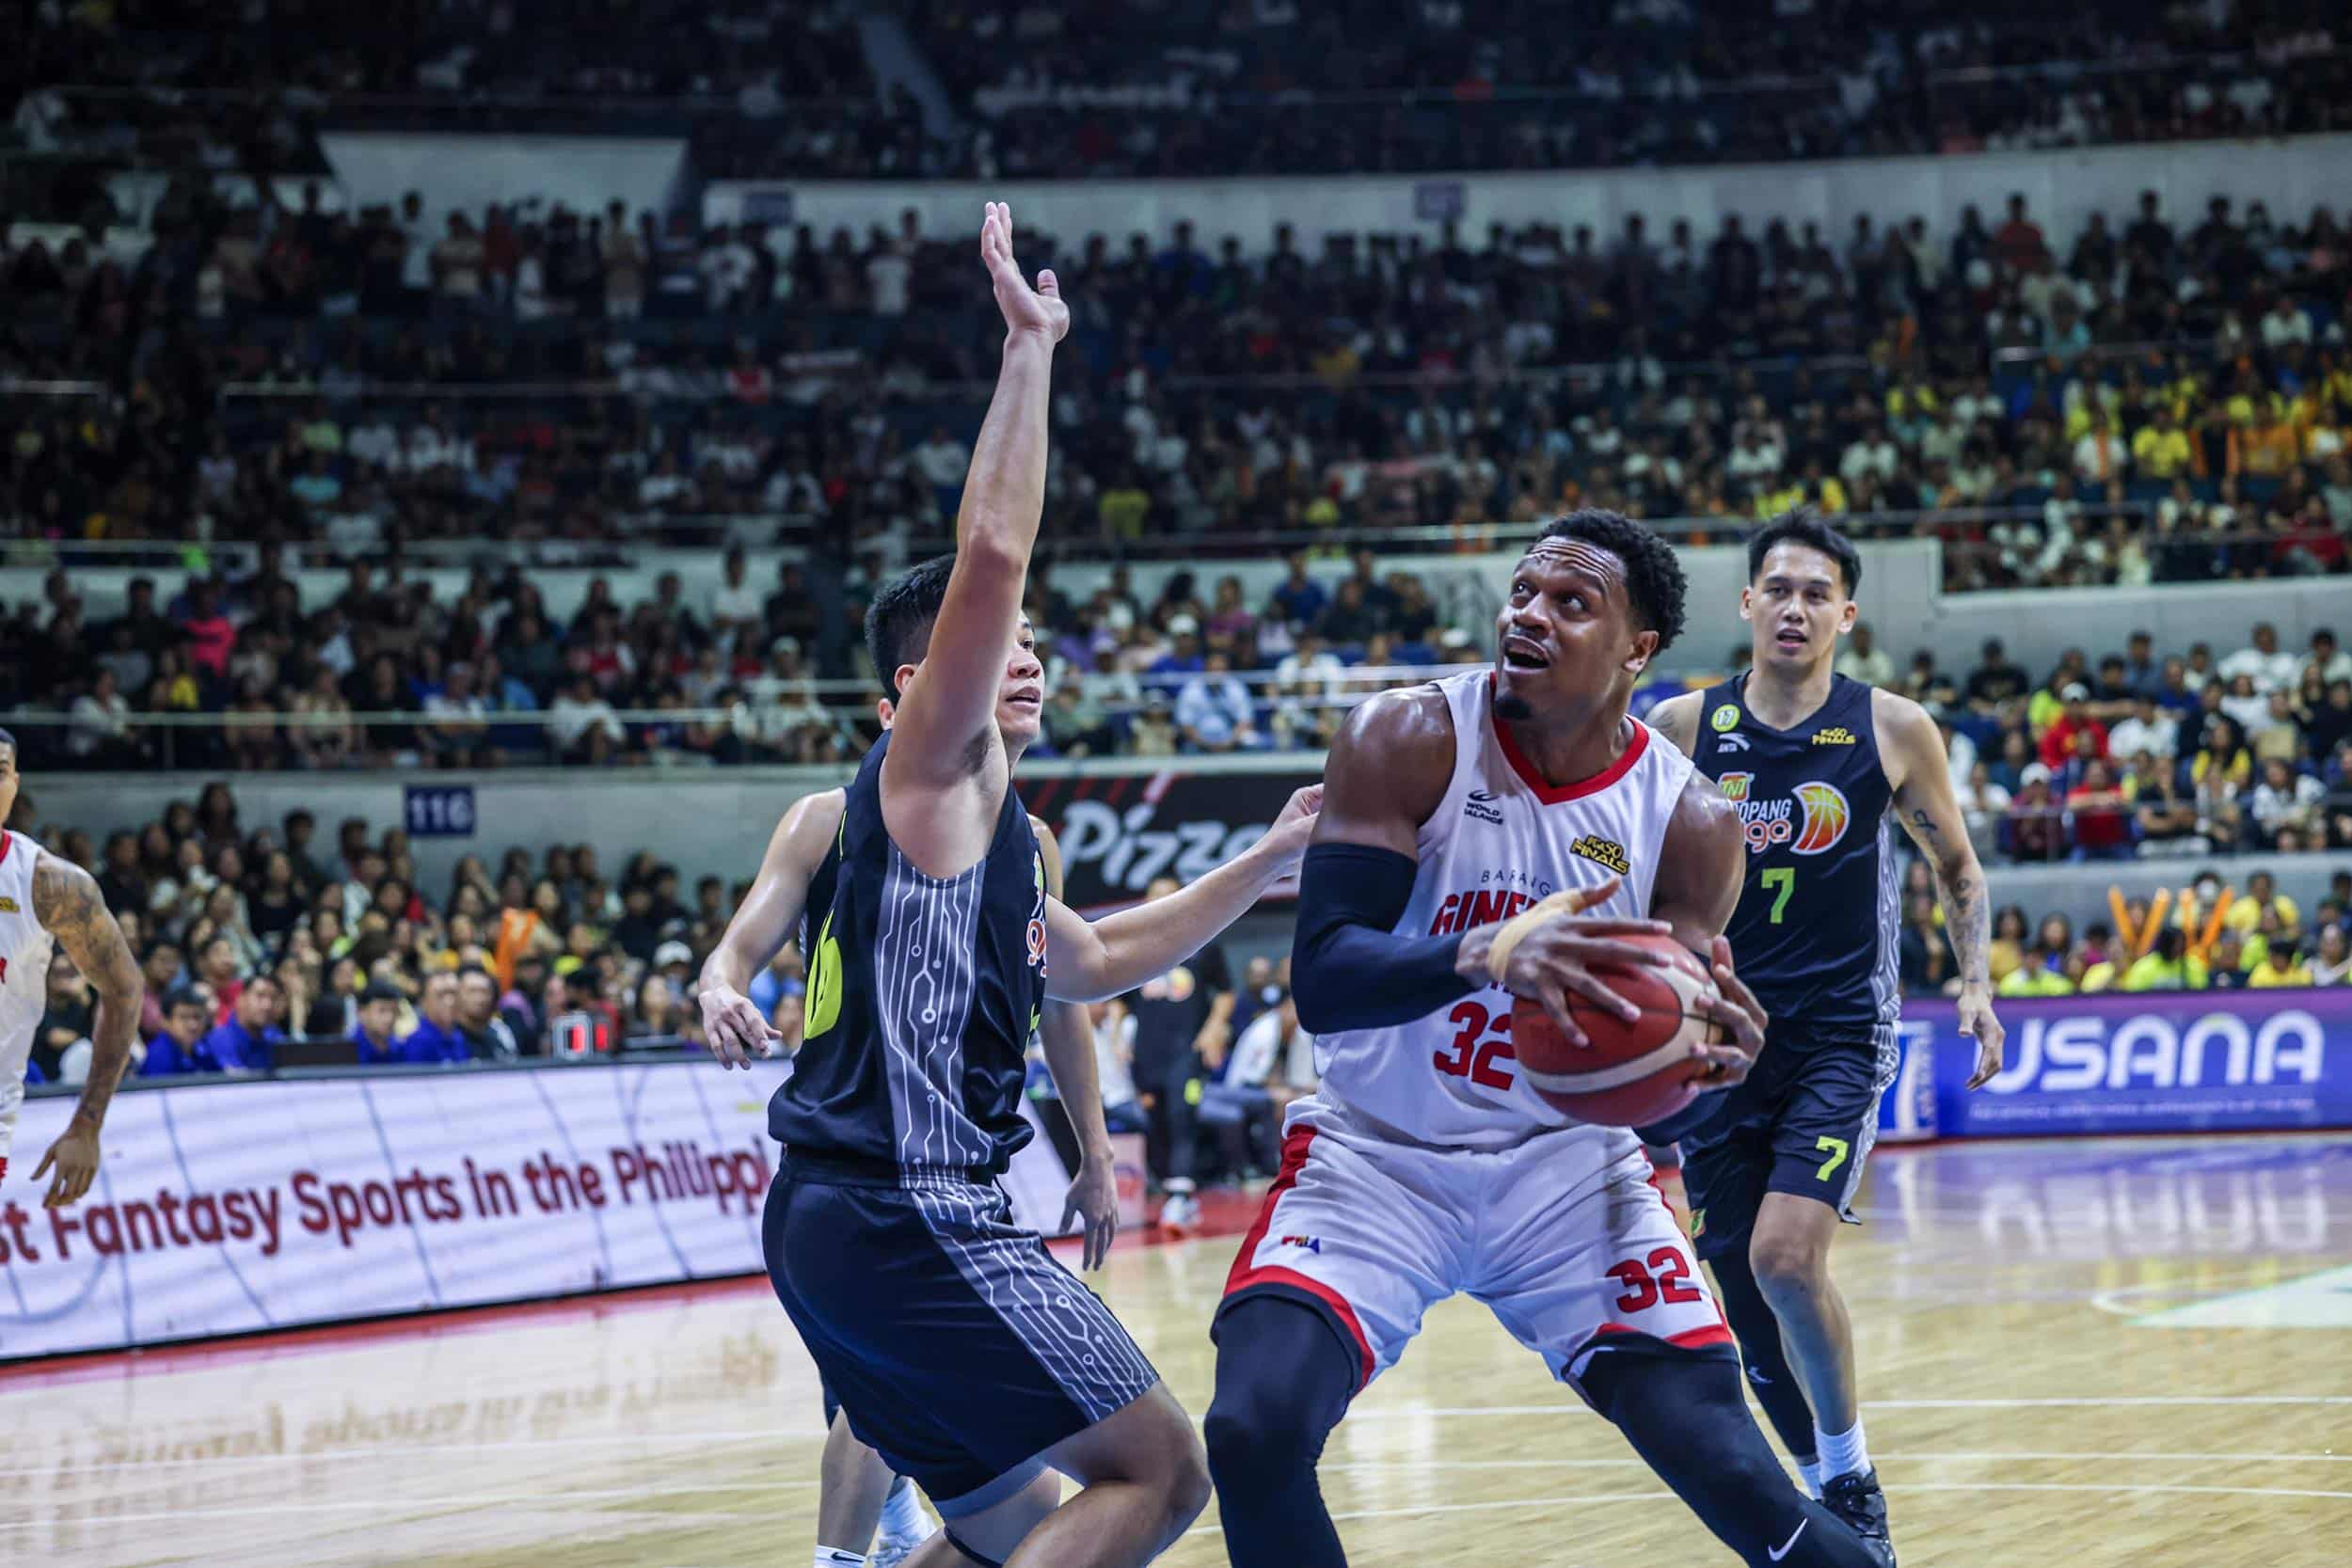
x=1521 y=800
x=47 y=902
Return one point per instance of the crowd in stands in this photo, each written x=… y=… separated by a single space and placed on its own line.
x=251 y=937
x=2150 y=399
x=2209 y=936
x=1049 y=89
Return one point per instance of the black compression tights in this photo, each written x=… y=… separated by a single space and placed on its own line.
x=1283 y=1380
x=1684 y=1415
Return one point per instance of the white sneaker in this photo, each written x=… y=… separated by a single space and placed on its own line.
x=891 y=1550
x=1182 y=1211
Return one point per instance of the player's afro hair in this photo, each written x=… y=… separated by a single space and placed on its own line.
x=1653 y=574
x=1802 y=525
x=899 y=622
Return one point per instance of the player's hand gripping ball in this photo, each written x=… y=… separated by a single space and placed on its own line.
x=1636 y=1071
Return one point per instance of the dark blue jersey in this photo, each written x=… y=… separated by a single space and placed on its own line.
x=1815 y=933
x=922 y=996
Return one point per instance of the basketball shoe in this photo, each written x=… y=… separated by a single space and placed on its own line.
x=1857 y=1499
x=894 y=1547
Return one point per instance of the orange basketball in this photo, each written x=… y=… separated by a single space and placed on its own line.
x=1635 y=1072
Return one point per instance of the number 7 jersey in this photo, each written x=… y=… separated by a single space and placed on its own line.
x=1500 y=840
x=1815 y=933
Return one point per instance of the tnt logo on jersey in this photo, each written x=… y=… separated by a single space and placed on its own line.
x=1836 y=735
x=1037 y=920
x=1810 y=823
x=1603 y=851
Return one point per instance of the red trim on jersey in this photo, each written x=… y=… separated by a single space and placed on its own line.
x=7 y=839
x=1577 y=789
x=1692 y=1338
x=1244 y=1277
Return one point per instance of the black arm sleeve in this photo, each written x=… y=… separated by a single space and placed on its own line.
x=1349 y=970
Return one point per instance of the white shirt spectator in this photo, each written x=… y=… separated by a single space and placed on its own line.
x=2100 y=456
x=374 y=442
x=1868 y=458
x=98 y=722
x=887 y=273
x=739 y=602
x=569 y=720
x=1215 y=706
x=943 y=461
x=2270 y=669
x=2285 y=324
x=2159 y=736
x=1260 y=1051
x=1875 y=668
x=2296 y=806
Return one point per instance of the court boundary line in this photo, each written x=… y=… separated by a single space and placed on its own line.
x=444 y=1507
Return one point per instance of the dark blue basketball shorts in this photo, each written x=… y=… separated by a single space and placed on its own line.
x=959 y=1348
x=1802 y=1123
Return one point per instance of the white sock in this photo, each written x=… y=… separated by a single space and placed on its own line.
x=1809 y=1472
x=1843 y=1453
x=835 y=1557
x=902 y=1512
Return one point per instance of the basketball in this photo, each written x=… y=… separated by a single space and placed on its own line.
x=1635 y=1072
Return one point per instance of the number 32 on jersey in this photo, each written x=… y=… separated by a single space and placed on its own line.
x=1483 y=1040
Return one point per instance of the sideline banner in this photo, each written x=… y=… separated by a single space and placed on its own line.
x=1121 y=831
x=2151 y=1062
x=225 y=1208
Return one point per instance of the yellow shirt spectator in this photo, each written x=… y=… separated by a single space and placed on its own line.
x=2152 y=971
x=1123 y=511
x=2162 y=451
x=2247 y=913
x=2270 y=976
x=2034 y=980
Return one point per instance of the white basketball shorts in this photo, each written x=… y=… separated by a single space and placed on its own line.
x=1566 y=1237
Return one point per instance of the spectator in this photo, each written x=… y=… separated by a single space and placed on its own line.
x=2099 y=815
x=373 y=1036
x=181 y=1046
x=489 y=1036
x=248 y=1040
x=2036 y=827
x=1863 y=661
x=1214 y=712
x=435 y=1037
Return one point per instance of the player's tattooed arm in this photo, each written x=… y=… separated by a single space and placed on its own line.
x=67 y=903
x=1677 y=720
x=1920 y=774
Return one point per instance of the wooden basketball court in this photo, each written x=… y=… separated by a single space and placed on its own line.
x=2074 y=1353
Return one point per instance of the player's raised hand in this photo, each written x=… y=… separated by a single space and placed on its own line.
x=1094 y=1196
x=1737 y=1009
x=734 y=1029
x=71 y=1165
x=1545 y=958
x=1978 y=1024
x=1285 y=842
x=1037 y=309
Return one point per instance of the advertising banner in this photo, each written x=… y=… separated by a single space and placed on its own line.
x=1118 y=835
x=225 y=1208
x=2154 y=1062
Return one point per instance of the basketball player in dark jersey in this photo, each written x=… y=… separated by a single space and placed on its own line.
x=857 y=1492
x=1817 y=764
x=961 y=1350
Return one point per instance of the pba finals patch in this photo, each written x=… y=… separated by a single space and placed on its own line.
x=1836 y=735
x=1603 y=851
x=1725 y=717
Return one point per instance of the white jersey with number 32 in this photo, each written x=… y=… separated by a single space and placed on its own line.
x=1501 y=839
x=23 y=974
